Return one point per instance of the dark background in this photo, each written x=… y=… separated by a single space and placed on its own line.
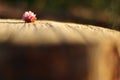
x=96 y=12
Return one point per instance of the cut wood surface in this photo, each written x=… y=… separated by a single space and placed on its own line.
x=51 y=32
x=71 y=52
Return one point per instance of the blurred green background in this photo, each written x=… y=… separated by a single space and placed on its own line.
x=104 y=13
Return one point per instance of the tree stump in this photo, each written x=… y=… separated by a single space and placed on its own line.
x=50 y=50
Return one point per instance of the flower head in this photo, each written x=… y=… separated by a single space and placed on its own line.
x=29 y=16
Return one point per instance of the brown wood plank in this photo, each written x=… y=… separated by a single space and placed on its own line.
x=51 y=50
x=51 y=32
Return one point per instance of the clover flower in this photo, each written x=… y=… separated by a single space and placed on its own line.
x=29 y=16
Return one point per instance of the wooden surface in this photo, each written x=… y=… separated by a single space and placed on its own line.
x=50 y=50
x=51 y=32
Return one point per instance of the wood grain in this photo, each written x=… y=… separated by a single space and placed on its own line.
x=51 y=32
x=51 y=50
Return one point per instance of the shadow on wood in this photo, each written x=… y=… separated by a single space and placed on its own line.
x=49 y=50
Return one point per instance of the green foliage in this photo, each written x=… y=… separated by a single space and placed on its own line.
x=63 y=6
x=53 y=5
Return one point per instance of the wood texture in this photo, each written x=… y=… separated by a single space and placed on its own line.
x=51 y=32
x=50 y=50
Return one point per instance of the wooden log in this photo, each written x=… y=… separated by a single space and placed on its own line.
x=50 y=50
